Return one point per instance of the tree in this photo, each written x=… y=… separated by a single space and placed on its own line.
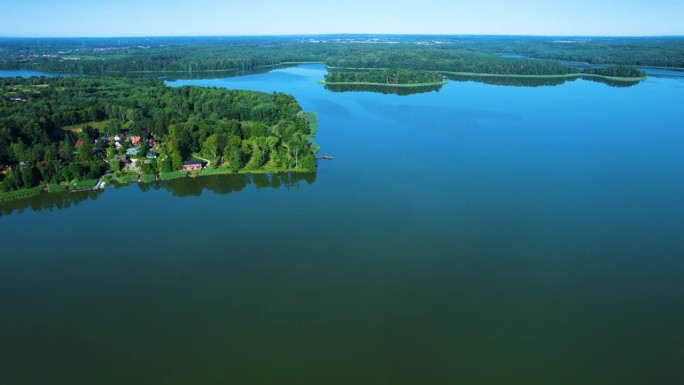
x=309 y=163
x=115 y=165
x=166 y=165
x=235 y=159
x=210 y=145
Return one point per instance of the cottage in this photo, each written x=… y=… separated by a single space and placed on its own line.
x=79 y=143
x=97 y=150
x=133 y=151
x=118 y=145
x=194 y=165
x=135 y=140
x=118 y=138
x=151 y=155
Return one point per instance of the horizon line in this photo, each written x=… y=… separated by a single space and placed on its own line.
x=339 y=34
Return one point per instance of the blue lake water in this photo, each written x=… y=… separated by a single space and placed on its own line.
x=26 y=74
x=480 y=234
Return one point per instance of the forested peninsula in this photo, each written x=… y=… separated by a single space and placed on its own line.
x=72 y=133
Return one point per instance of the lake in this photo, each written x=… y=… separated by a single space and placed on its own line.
x=479 y=234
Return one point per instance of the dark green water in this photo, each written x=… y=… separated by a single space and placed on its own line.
x=481 y=234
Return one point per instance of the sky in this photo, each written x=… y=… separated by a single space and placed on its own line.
x=105 y=18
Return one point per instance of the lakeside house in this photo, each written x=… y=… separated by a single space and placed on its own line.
x=151 y=155
x=133 y=151
x=193 y=165
x=118 y=138
x=135 y=140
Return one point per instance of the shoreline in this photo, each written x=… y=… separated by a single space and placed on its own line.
x=131 y=177
x=403 y=85
x=484 y=74
x=575 y=75
x=38 y=190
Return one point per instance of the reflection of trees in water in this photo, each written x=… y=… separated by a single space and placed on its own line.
x=226 y=184
x=44 y=201
x=537 y=82
x=219 y=184
x=208 y=75
x=393 y=90
x=612 y=83
x=512 y=81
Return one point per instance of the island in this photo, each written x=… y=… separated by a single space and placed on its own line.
x=80 y=133
x=385 y=77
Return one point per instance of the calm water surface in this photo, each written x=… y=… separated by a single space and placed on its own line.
x=476 y=235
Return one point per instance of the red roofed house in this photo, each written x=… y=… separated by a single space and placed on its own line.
x=79 y=143
x=192 y=166
x=135 y=140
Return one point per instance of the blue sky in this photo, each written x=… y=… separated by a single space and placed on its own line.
x=47 y=18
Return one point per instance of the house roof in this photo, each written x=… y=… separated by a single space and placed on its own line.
x=192 y=163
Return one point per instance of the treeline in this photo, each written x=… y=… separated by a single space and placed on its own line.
x=242 y=129
x=438 y=53
x=655 y=52
x=174 y=58
x=446 y=59
x=389 y=77
x=617 y=71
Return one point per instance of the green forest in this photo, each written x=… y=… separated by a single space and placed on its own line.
x=59 y=130
x=617 y=72
x=389 y=77
x=471 y=54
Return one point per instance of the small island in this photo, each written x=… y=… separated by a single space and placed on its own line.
x=82 y=133
x=385 y=77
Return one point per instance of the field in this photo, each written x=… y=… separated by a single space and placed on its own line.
x=78 y=127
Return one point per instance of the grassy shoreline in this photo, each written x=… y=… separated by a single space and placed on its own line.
x=403 y=85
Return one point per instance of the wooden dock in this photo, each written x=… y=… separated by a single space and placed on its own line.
x=326 y=157
x=99 y=186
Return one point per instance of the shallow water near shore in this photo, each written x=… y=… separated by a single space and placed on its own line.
x=482 y=234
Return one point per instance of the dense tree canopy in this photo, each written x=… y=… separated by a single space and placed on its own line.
x=475 y=54
x=617 y=71
x=243 y=128
x=389 y=77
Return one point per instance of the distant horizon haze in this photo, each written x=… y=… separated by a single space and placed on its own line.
x=177 y=18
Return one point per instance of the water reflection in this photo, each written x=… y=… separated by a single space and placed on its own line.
x=185 y=187
x=388 y=90
x=612 y=83
x=204 y=75
x=226 y=184
x=50 y=202
x=512 y=81
x=537 y=82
